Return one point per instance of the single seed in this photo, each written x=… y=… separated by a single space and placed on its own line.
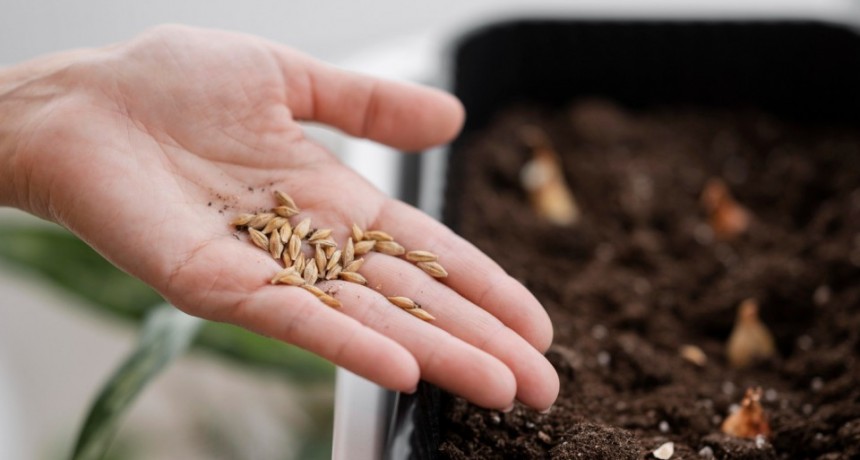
x=330 y=301
x=300 y=263
x=334 y=272
x=295 y=246
x=284 y=273
x=313 y=290
x=352 y=277
x=319 y=234
x=363 y=247
x=377 y=235
x=750 y=420
x=333 y=260
x=260 y=220
x=311 y=273
x=285 y=257
x=348 y=252
x=285 y=232
x=421 y=256
x=433 y=269
x=259 y=239
x=274 y=224
x=285 y=211
x=751 y=341
x=665 y=451
x=241 y=220
x=354 y=265
x=403 y=302
x=276 y=248
x=285 y=200
x=390 y=248
x=291 y=279
x=326 y=243
x=357 y=234
x=422 y=314
x=319 y=258
x=329 y=250
x=301 y=230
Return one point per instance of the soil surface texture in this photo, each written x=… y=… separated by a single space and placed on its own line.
x=643 y=273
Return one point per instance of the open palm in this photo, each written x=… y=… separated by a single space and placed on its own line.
x=148 y=149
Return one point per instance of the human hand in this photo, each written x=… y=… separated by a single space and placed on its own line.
x=147 y=149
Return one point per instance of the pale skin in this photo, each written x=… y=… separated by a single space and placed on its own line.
x=128 y=145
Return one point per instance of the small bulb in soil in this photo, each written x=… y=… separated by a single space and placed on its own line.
x=750 y=420
x=727 y=218
x=543 y=179
x=693 y=354
x=665 y=451
x=751 y=341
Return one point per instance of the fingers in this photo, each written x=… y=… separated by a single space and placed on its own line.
x=295 y=316
x=402 y=115
x=471 y=273
x=444 y=359
x=536 y=379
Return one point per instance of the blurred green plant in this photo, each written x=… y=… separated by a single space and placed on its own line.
x=59 y=257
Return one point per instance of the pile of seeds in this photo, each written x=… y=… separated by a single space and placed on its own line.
x=273 y=232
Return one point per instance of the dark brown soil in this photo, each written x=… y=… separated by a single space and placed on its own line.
x=641 y=275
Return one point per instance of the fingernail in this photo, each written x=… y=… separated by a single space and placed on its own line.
x=545 y=411
x=412 y=391
x=508 y=409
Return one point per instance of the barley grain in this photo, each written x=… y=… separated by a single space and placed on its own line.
x=313 y=290
x=286 y=200
x=390 y=248
x=241 y=220
x=260 y=220
x=259 y=239
x=333 y=260
x=276 y=248
x=329 y=250
x=301 y=230
x=352 y=277
x=433 y=269
x=285 y=211
x=295 y=246
x=354 y=265
x=320 y=259
x=311 y=274
x=403 y=302
x=300 y=263
x=285 y=272
x=357 y=233
x=319 y=234
x=330 y=301
x=348 y=252
x=334 y=272
x=285 y=232
x=363 y=247
x=421 y=256
x=377 y=235
x=422 y=314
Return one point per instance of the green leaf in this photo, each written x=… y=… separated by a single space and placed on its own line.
x=166 y=334
x=60 y=257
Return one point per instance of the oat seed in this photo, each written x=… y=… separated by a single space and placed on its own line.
x=319 y=234
x=295 y=246
x=241 y=220
x=310 y=273
x=334 y=272
x=363 y=247
x=276 y=248
x=348 y=252
x=313 y=290
x=354 y=265
x=319 y=258
x=357 y=234
x=330 y=301
x=403 y=302
x=285 y=200
x=260 y=220
x=333 y=260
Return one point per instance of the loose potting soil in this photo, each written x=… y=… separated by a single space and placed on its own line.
x=642 y=274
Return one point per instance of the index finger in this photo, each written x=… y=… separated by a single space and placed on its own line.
x=403 y=115
x=470 y=272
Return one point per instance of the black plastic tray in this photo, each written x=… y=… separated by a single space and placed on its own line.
x=805 y=71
